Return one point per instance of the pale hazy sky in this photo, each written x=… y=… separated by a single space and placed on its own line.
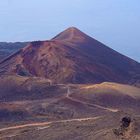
x=113 y=22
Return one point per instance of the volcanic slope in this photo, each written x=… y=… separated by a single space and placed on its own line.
x=72 y=57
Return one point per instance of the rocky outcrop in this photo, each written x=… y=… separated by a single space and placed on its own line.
x=129 y=129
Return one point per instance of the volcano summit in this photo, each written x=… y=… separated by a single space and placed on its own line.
x=72 y=57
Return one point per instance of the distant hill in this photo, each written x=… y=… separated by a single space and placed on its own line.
x=9 y=48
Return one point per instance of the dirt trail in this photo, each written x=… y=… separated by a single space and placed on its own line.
x=89 y=104
x=46 y=123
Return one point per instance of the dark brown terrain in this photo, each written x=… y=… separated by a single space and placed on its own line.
x=69 y=88
x=32 y=108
